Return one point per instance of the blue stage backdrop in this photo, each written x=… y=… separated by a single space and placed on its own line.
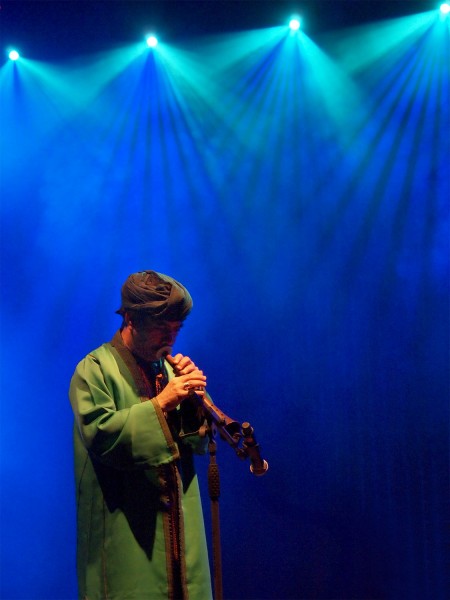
x=298 y=185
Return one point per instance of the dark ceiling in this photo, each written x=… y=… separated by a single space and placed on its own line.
x=64 y=28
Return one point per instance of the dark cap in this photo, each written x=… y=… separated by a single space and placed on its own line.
x=155 y=295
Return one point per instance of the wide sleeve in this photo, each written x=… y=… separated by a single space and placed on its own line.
x=114 y=425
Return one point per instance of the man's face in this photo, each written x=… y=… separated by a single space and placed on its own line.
x=152 y=338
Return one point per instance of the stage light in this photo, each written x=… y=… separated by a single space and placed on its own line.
x=152 y=42
x=13 y=55
x=445 y=8
x=294 y=24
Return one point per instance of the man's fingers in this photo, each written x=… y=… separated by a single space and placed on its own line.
x=182 y=365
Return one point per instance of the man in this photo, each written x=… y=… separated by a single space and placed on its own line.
x=139 y=517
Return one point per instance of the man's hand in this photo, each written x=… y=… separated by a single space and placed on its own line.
x=187 y=378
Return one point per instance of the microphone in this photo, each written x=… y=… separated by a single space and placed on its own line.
x=258 y=465
x=229 y=429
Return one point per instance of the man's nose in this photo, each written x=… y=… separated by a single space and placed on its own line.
x=170 y=336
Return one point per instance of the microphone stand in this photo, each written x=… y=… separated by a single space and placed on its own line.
x=233 y=433
x=214 y=493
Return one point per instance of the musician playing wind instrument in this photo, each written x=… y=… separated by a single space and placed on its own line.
x=139 y=517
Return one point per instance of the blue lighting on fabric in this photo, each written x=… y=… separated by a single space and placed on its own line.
x=300 y=192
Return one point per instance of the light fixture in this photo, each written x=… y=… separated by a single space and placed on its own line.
x=294 y=24
x=13 y=55
x=152 y=41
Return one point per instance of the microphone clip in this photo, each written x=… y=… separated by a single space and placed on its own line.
x=240 y=437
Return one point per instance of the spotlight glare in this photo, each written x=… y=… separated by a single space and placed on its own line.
x=294 y=24
x=152 y=42
x=13 y=55
x=445 y=8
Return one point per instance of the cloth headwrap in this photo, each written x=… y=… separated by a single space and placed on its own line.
x=164 y=299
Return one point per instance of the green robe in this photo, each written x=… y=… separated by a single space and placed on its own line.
x=136 y=485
